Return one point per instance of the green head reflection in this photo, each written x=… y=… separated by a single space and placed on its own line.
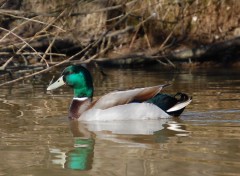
x=81 y=157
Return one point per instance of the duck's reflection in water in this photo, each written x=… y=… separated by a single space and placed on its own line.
x=170 y=129
x=81 y=156
x=131 y=133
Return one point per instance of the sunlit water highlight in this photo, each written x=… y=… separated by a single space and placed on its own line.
x=37 y=138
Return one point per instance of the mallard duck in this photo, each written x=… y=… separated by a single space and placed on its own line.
x=135 y=104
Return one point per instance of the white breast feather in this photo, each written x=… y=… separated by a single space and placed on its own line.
x=132 y=111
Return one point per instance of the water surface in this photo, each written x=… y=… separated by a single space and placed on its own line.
x=37 y=138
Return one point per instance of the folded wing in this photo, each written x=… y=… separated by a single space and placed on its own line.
x=124 y=97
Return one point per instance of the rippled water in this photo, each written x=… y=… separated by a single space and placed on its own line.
x=37 y=138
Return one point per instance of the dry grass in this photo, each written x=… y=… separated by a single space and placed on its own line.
x=53 y=30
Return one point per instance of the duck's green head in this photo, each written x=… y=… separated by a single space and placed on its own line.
x=77 y=77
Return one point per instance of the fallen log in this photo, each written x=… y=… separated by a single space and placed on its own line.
x=213 y=52
x=208 y=52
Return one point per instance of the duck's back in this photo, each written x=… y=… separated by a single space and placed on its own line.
x=124 y=97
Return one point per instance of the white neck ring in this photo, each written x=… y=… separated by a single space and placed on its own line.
x=81 y=98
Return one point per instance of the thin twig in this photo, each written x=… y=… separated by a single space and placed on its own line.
x=86 y=49
x=32 y=53
x=139 y=26
x=48 y=49
x=49 y=68
x=12 y=30
x=31 y=20
x=3 y=67
x=26 y=43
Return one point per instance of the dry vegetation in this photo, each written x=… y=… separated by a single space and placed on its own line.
x=40 y=34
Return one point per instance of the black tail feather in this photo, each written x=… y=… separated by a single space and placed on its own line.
x=165 y=102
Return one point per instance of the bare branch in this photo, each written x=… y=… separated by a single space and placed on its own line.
x=26 y=43
x=3 y=67
x=30 y=20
